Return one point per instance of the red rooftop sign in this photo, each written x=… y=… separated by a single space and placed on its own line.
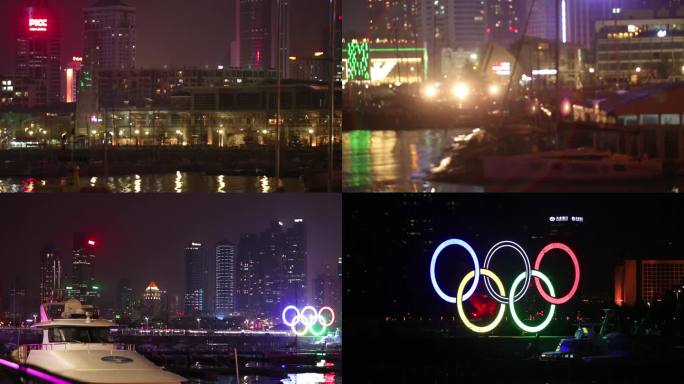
x=38 y=25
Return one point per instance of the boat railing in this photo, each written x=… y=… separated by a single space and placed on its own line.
x=23 y=351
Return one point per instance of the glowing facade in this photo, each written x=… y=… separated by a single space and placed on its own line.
x=196 y=279
x=514 y=294
x=82 y=285
x=647 y=281
x=38 y=78
x=225 y=279
x=378 y=64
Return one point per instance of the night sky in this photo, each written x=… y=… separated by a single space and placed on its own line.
x=144 y=237
x=173 y=32
x=389 y=242
x=355 y=17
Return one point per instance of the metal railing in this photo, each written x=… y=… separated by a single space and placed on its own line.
x=23 y=351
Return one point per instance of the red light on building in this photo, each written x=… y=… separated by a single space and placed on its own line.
x=91 y=242
x=488 y=30
x=38 y=25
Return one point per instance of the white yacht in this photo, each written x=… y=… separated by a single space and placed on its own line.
x=78 y=346
x=571 y=165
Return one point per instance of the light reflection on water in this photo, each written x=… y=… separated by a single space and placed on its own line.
x=179 y=182
x=396 y=161
x=292 y=378
x=400 y=161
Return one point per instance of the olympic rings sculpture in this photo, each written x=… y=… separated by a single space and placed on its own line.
x=523 y=281
x=308 y=321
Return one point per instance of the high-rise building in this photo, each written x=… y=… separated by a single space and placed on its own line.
x=327 y=291
x=450 y=24
x=70 y=79
x=249 y=277
x=17 y=301
x=126 y=300
x=505 y=20
x=82 y=285
x=196 y=279
x=50 y=275
x=258 y=41
x=577 y=19
x=393 y=21
x=271 y=269
x=38 y=56
x=294 y=282
x=225 y=279
x=647 y=281
x=152 y=301
x=109 y=36
x=271 y=255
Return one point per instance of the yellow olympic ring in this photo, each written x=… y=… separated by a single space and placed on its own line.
x=459 y=302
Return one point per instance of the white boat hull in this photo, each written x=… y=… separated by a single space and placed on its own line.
x=505 y=168
x=102 y=366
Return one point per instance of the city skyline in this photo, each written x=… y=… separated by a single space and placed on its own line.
x=168 y=239
x=205 y=37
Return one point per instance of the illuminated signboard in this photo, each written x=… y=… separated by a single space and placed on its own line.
x=38 y=25
x=515 y=293
x=502 y=69
x=77 y=59
x=308 y=320
x=358 y=54
x=576 y=219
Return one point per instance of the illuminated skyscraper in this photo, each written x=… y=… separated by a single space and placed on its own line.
x=271 y=255
x=196 y=279
x=109 y=36
x=70 y=80
x=152 y=301
x=82 y=285
x=452 y=24
x=295 y=277
x=505 y=20
x=249 y=284
x=393 y=21
x=50 y=275
x=577 y=21
x=257 y=40
x=38 y=57
x=225 y=279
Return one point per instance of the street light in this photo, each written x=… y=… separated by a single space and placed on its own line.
x=493 y=90
x=147 y=321
x=638 y=69
x=198 y=322
x=461 y=91
x=430 y=91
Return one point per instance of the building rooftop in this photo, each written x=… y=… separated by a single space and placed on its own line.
x=654 y=99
